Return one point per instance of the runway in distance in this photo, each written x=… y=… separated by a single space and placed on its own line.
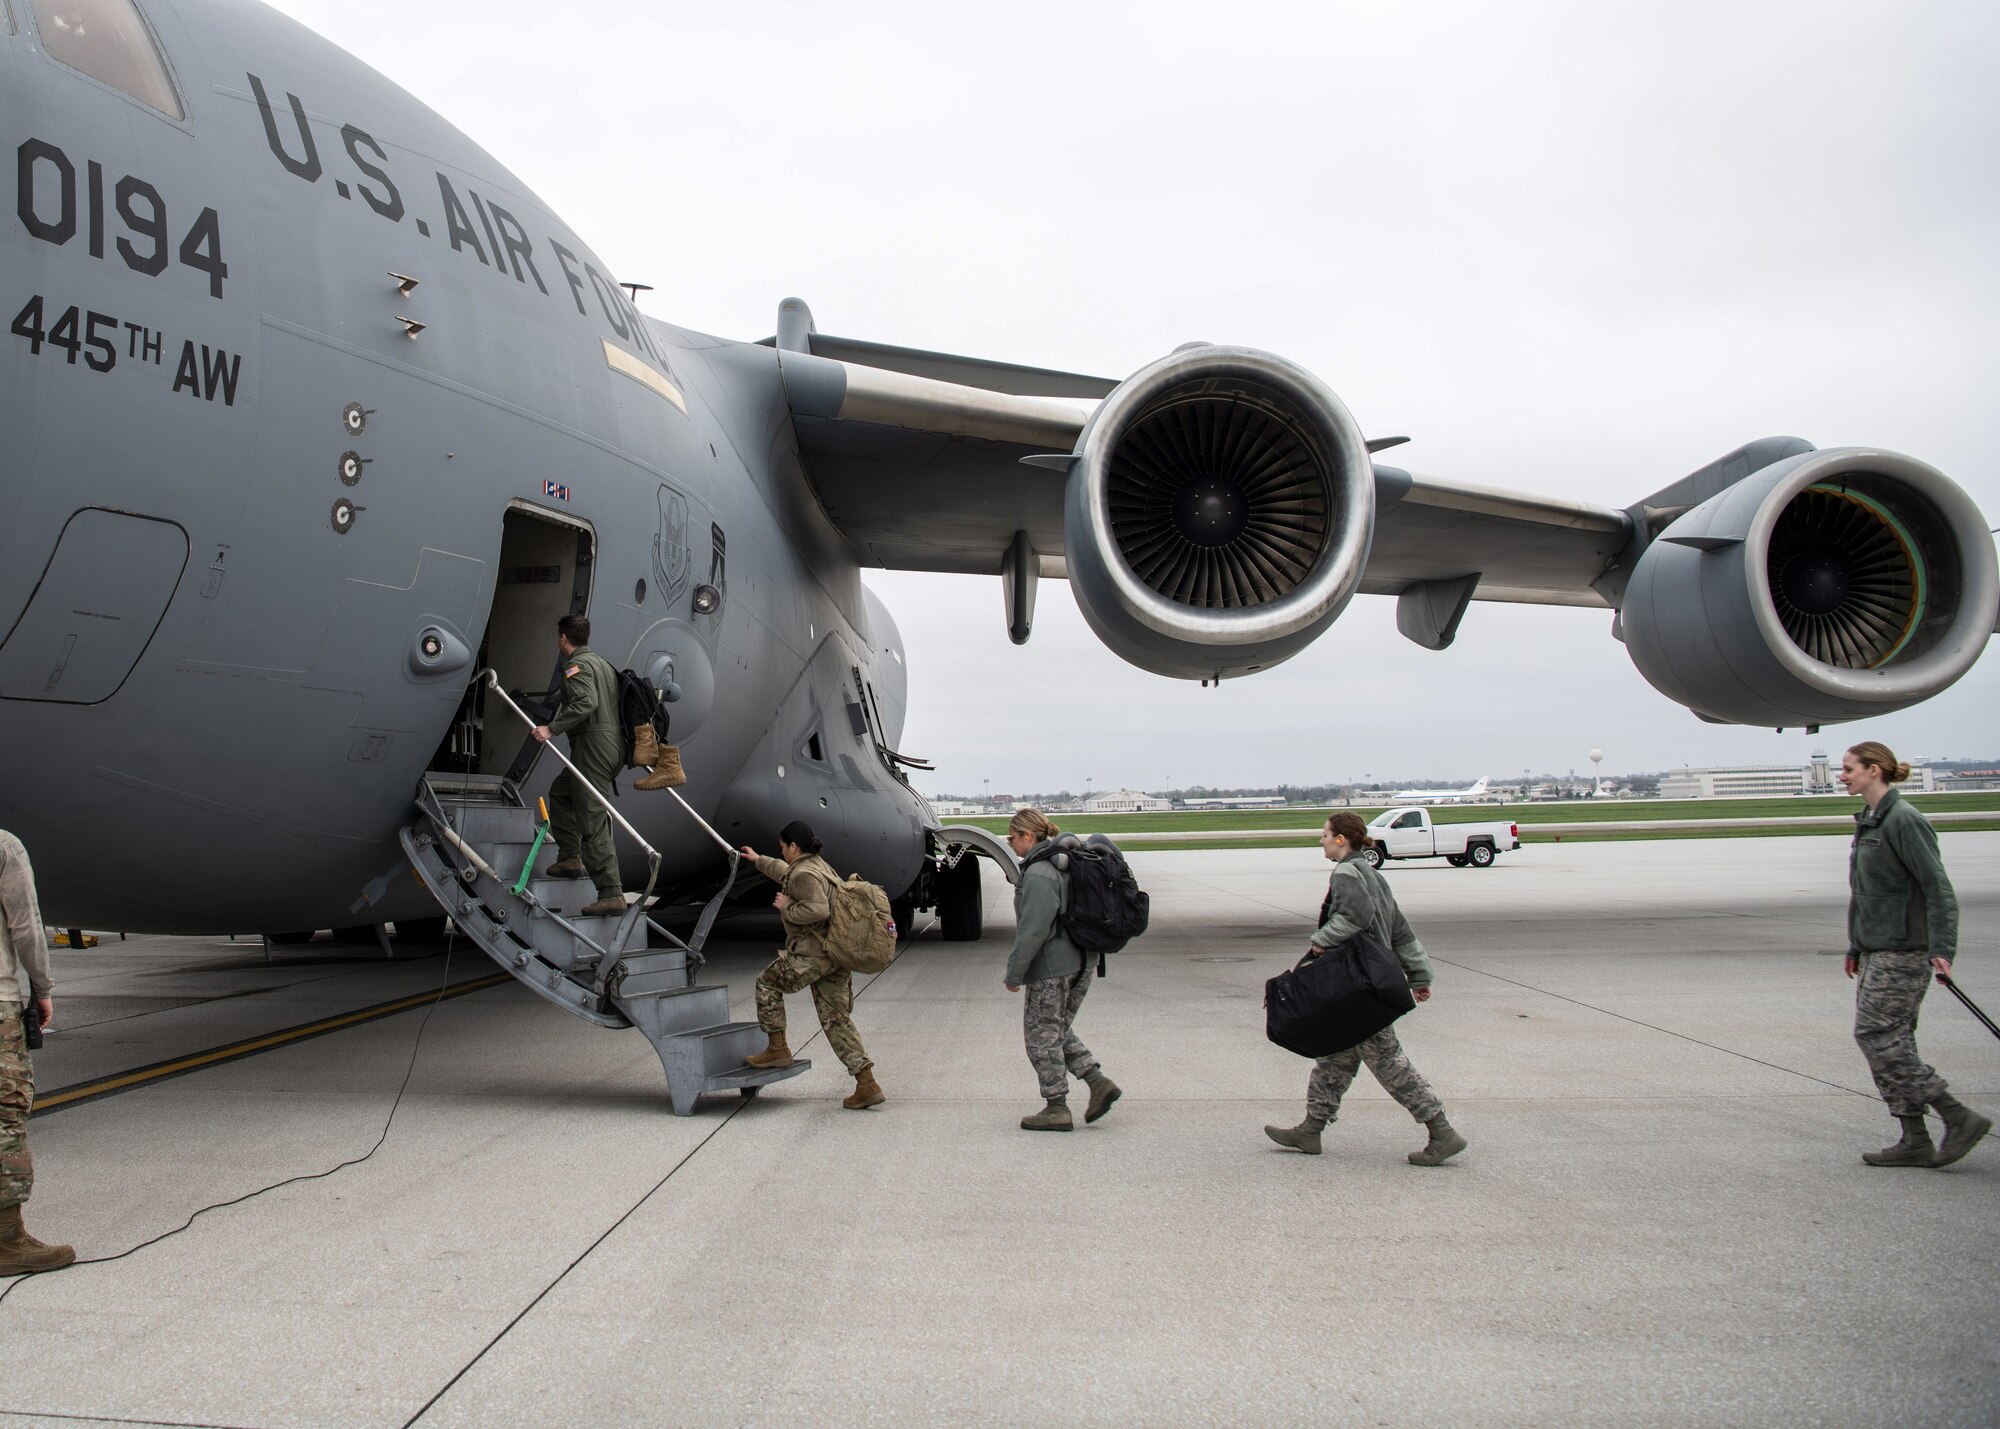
x=1439 y=796
x=313 y=412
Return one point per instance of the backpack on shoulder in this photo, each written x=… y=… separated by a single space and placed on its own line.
x=642 y=715
x=861 y=934
x=1103 y=906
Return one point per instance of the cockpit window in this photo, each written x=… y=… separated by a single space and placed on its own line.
x=107 y=40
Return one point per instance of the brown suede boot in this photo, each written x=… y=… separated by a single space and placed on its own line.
x=667 y=771
x=22 y=1254
x=565 y=868
x=777 y=1054
x=603 y=907
x=645 y=747
x=867 y=1092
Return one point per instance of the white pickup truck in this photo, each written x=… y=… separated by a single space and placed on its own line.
x=1409 y=833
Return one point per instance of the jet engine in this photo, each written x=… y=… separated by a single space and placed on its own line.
x=1219 y=512
x=1829 y=586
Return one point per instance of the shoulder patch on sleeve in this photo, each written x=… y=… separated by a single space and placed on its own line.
x=572 y=672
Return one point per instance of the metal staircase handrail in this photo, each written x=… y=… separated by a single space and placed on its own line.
x=638 y=908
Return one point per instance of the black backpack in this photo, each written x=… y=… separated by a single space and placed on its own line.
x=640 y=704
x=1103 y=906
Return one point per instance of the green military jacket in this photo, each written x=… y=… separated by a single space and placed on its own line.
x=588 y=714
x=1900 y=899
x=1041 y=948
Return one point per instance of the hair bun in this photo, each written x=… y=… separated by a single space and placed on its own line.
x=1900 y=773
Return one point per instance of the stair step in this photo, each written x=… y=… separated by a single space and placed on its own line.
x=747 y=1076
x=724 y=1046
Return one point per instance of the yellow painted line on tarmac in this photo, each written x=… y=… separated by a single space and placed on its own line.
x=250 y=1047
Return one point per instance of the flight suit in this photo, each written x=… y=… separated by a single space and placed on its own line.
x=588 y=714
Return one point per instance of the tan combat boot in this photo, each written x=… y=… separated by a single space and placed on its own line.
x=565 y=868
x=667 y=771
x=778 y=1054
x=603 y=907
x=645 y=747
x=22 y=1254
x=867 y=1092
x=1053 y=1117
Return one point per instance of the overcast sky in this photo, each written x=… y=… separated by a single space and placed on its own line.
x=1580 y=249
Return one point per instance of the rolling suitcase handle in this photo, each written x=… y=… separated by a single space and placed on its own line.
x=1970 y=1006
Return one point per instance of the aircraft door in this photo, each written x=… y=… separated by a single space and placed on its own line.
x=93 y=613
x=545 y=572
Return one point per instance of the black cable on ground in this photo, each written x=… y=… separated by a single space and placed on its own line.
x=693 y=1151
x=415 y=1047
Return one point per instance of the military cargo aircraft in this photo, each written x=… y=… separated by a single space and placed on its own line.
x=313 y=413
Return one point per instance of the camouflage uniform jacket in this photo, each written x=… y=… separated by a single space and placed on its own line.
x=1358 y=897
x=24 y=956
x=588 y=714
x=1900 y=899
x=809 y=884
x=1042 y=949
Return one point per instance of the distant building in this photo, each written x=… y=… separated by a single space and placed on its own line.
x=959 y=808
x=1124 y=801
x=1966 y=781
x=1765 y=781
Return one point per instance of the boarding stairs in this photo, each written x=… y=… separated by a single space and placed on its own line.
x=481 y=849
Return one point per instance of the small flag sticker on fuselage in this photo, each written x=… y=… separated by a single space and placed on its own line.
x=555 y=489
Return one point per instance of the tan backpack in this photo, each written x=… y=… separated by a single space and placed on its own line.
x=861 y=934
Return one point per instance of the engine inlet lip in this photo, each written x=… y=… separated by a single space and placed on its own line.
x=1316 y=411
x=1979 y=577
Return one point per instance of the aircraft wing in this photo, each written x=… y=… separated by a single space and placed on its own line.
x=917 y=458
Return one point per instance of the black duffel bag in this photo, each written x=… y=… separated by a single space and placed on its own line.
x=1345 y=995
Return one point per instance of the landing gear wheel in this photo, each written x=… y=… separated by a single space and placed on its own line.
x=1457 y=860
x=420 y=930
x=1481 y=855
x=905 y=914
x=961 y=903
x=291 y=940
x=1374 y=857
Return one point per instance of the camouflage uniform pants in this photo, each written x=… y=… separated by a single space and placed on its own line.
x=1331 y=1077
x=833 y=998
x=1048 y=1008
x=1886 y=999
x=17 y=1096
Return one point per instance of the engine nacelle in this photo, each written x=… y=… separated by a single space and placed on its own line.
x=1220 y=510
x=1828 y=586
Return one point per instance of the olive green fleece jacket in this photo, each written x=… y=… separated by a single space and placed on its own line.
x=1899 y=898
x=588 y=714
x=1358 y=897
x=1042 y=949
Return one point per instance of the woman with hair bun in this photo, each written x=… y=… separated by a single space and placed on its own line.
x=1056 y=976
x=1902 y=926
x=1357 y=900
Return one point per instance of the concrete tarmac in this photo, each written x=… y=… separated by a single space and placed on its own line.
x=1662 y=1219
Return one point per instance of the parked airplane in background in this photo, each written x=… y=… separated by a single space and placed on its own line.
x=313 y=411
x=1438 y=796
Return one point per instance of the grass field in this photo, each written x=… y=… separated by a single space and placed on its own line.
x=1303 y=839
x=1595 y=811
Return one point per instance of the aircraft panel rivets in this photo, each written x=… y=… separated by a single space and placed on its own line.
x=344 y=512
x=354 y=417
x=350 y=467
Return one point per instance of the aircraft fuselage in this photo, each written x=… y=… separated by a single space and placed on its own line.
x=298 y=390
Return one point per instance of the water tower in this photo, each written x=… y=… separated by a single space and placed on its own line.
x=1596 y=772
